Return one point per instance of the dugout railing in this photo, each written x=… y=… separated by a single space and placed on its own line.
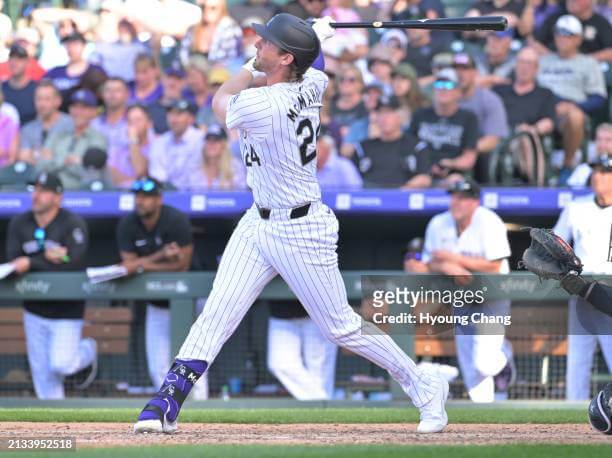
x=111 y=325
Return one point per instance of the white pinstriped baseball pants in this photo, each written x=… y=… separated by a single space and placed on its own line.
x=303 y=252
x=55 y=350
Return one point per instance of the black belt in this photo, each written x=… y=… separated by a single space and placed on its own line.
x=297 y=212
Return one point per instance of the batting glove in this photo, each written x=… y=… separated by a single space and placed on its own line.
x=323 y=29
x=250 y=68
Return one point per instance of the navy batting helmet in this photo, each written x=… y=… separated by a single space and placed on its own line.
x=293 y=35
x=600 y=410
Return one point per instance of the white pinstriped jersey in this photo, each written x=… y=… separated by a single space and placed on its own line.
x=278 y=127
x=589 y=226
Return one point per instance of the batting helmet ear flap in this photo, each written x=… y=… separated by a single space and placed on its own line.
x=600 y=410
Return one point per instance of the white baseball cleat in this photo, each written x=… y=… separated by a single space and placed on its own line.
x=433 y=414
x=155 y=426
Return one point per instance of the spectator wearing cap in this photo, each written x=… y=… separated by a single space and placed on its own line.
x=175 y=154
x=394 y=159
x=19 y=89
x=347 y=106
x=27 y=38
x=397 y=41
x=146 y=89
x=449 y=131
x=95 y=175
x=117 y=57
x=49 y=238
x=488 y=108
x=9 y=137
x=577 y=81
x=130 y=160
x=217 y=36
x=596 y=31
x=406 y=88
x=335 y=171
x=219 y=168
x=112 y=122
x=64 y=151
x=470 y=239
x=78 y=73
x=155 y=237
x=496 y=65
x=48 y=122
x=173 y=87
x=603 y=147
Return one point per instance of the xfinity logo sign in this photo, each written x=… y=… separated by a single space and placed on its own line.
x=103 y=287
x=29 y=286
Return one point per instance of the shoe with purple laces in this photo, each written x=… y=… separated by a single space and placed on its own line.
x=161 y=413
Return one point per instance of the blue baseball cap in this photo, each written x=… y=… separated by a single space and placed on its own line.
x=216 y=132
x=508 y=33
x=176 y=70
x=183 y=105
x=84 y=97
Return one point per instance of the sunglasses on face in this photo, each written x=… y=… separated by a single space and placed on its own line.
x=350 y=79
x=446 y=85
x=144 y=186
x=40 y=235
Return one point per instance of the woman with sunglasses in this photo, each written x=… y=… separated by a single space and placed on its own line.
x=347 y=107
x=217 y=36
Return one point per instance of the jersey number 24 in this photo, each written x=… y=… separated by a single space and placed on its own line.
x=304 y=130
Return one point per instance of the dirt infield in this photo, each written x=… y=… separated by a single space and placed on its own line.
x=120 y=434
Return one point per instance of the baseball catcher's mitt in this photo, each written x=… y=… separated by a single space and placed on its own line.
x=549 y=256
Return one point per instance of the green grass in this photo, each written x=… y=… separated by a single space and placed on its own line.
x=339 y=451
x=303 y=415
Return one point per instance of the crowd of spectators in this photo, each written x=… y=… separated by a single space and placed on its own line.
x=104 y=96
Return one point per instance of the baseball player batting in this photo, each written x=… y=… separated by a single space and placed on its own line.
x=288 y=231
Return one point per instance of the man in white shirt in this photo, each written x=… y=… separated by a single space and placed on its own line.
x=175 y=154
x=587 y=221
x=464 y=240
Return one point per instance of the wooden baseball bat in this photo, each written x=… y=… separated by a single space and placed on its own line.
x=454 y=23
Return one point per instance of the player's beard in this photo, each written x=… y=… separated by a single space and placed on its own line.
x=257 y=64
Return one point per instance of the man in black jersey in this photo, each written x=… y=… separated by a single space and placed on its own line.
x=50 y=238
x=394 y=158
x=450 y=132
x=155 y=238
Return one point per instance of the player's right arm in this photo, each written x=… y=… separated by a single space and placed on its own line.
x=229 y=89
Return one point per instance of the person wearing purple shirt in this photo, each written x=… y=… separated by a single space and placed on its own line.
x=175 y=154
x=129 y=160
x=333 y=170
x=146 y=89
x=78 y=73
x=9 y=140
x=112 y=123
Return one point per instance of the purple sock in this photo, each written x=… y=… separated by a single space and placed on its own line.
x=178 y=383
